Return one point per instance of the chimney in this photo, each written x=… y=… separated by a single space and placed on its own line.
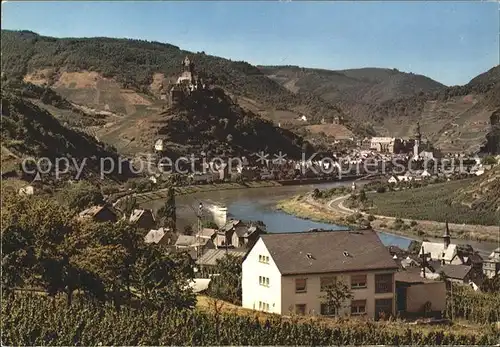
x=446 y=237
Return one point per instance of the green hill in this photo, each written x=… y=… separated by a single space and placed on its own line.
x=110 y=66
x=30 y=131
x=455 y=118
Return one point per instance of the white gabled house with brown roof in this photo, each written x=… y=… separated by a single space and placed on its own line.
x=287 y=272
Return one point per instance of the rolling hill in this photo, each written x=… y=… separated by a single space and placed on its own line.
x=124 y=76
x=31 y=131
x=454 y=118
x=367 y=85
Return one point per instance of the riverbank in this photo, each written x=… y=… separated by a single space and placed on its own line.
x=333 y=211
x=202 y=188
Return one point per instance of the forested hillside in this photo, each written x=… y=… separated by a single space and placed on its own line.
x=134 y=63
x=455 y=118
x=29 y=131
x=211 y=122
x=367 y=85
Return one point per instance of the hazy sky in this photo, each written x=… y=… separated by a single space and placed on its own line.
x=449 y=41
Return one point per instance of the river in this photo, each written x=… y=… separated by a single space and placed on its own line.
x=259 y=204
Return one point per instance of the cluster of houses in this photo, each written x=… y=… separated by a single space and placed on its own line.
x=205 y=245
x=289 y=272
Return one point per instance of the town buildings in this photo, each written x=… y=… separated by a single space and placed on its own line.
x=443 y=252
x=491 y=266
x=289 y=272
x=100 y=213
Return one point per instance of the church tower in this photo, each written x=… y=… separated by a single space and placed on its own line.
x=418 y=134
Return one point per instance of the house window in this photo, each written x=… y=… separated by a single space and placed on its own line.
x=263 y=306
x=264 y=281
x=358 y=307
x=383 y=283
x=300 y=285
x=300 y=309
x=264 y=259
x=326 y=282
x=327 y=310
x=358 y=281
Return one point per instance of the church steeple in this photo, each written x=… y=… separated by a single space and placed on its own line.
x=418 y=134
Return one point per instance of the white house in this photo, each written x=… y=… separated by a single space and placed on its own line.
x=442 y=251
x=425 y=174
x=288 y=272
x=392 y=179
x=28 y=190
x=159 y=145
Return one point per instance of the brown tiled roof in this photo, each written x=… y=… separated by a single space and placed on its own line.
x=412 y=276
x=328 y=251
x=456 y=271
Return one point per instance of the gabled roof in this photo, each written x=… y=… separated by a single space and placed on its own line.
x=137 y=214
x=211 y=256
x=186 y=240
x=207 y=232
x=230 y=224
x=94 y=210
x=456 y=271
x=328 y=251
x=155 y=236
x=437 y=251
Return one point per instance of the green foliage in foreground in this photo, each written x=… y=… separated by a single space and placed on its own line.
x=433 y=202
x=37 y=320
x=477 y=307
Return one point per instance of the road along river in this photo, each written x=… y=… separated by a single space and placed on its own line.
x=259 y=204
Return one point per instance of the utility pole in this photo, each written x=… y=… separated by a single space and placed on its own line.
x=199 y=228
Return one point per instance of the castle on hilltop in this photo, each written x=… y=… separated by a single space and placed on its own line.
x=186 y=83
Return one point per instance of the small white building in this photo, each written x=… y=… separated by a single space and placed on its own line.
x=425 y=174
x=392 y=179
x=28 y=190
x=289 y=272
x=159 y=147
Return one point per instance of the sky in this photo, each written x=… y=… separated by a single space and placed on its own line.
x=451 y=42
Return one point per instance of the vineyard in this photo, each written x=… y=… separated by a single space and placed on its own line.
x=39 y=320
x=477 y=307
x=433 y=202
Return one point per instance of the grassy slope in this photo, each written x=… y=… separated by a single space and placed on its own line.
x=434 y=202
x=28 y=130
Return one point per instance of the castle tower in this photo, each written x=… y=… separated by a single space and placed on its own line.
x=446 y=236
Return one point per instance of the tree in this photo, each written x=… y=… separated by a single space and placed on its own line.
x=316 y=193
x=127 y=205
x=336 y=295
x=489 y=160
x=80 y=196
x=227 y=284
x=162 y=279
x=491 y=285
x=166 y=214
